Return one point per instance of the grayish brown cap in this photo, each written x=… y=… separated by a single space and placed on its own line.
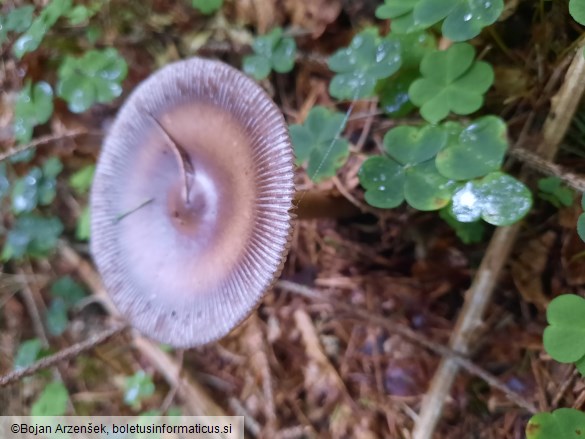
x=190 y=220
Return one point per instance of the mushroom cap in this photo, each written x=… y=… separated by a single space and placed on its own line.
x=186 y=269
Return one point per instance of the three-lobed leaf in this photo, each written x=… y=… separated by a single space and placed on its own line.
x=462 y=19
x=34 y=106
x=95 y=77
x=360 y=66
x=451 y=82
x=272 y=51
x=31 y=235
x=37 y=187
x=318 y=142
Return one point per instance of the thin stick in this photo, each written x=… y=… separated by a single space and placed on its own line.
x=563 y=107
x=411 y=336
x=63 y=355
x=539 y=164
x=43 y=140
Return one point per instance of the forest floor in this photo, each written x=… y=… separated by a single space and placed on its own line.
x=347 y=342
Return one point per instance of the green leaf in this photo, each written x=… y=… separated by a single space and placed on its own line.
x=475 y=151
x=469 y=233
x=577 y=10
x=66 y=289
x=18 y=20
x=553 y=191
x=37 y=187
x=426 y=189
x=4 y=182
x=562 y=423
x=318 y=142
x=34 y=106
x=463 y=19
x=498 y=199
x=581 y=226
x=412 y=145
x=52 y=401
x=138 y=387
x=32 y=38
x=83 y=229
x=383 y=180
x=207 y=7
x=56 y=317
x=451 y=81
x=360 y=66
x=272 y=51
x=94 y=77
x=27 y=353
x=31 y=235
x=393 y=93
x=564 y=338
x=81 y=181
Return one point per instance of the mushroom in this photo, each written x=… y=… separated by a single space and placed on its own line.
x=191 y=202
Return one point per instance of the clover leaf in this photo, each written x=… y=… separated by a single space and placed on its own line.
x=138 y=387
x=37 y=187
x=207 y=7
x=408 y=173
x=497 y=198
x=318 y=142
x=468 y=233
x=577 y=10
x=271 y=52
x=17 y=20
x=562 y=423
x=451 y=81
x=32 y=235
x=360 y=66
x=32 y=38
x=27 y=353
x=94 y=77
x=564 y=338
x=463 y=19
x=34 y=106
x=475 y=150
x=52 y=400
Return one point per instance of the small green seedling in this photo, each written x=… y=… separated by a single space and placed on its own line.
x=52 y=401
x=138 y=387
x=34 y=106
x=34 y=35
x=94 y=77
x=368 y=59
x=272 y=51
x=31 y=235
x=207 y=7
x=561 y=424
x=555 y=192
x=318 y=142
x=463 y=19
x=451 y=82
x=408 y=172
x=581 y=220
x=475 y=150
x=499 y=199
x=577 y=10
x=65 y=294
x=564 y=337
x=17 y=20
x=37 y=188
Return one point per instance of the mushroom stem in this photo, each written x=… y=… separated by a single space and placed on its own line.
x=185 y=165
